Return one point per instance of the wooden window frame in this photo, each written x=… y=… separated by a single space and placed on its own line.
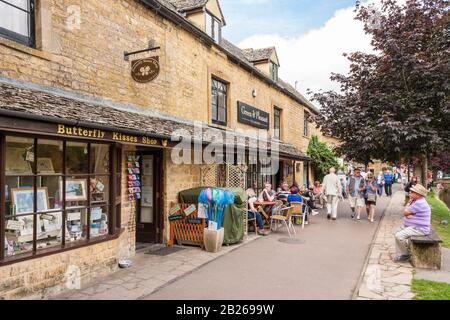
x=113 y=230
x=212 y=32
x=29 y=41
x=216 y=103
x=277 y=111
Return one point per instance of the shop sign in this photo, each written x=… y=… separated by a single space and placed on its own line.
x=176 y=217
x=145 y=70
x=189 y=210
x=174 y=210
x=194 y=221
x=252 y=116
x=105 y=135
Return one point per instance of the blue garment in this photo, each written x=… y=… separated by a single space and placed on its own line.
x=294 y=198
x=259 y=220
x=388 y=177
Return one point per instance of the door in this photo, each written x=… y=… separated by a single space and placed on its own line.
x=148 y=207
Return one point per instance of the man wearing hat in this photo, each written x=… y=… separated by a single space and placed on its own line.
x=416 y=222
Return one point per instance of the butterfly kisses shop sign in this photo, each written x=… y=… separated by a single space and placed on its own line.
x=145 y=70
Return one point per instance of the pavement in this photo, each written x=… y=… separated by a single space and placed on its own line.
x=325 y=263
x=384 y=279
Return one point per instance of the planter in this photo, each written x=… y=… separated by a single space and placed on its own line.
x=213 y=239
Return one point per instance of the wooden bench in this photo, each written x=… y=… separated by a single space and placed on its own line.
x=426 y=251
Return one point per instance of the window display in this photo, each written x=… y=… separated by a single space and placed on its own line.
x=37 y=215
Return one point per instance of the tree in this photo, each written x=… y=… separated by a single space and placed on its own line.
x=395 y=102
x=323 y=158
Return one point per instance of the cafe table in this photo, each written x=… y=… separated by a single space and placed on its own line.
x=261 y=205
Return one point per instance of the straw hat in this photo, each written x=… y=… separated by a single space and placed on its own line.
x=420 y=189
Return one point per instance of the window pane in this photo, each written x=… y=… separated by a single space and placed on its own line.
x=99 y=221
x=49 y=233
x=222 y=115
x=76 y=192
x=209 y=25
x=19 y=155
x=13 y=19
x=19 y=195
x=100 y=158
x=50 y=154
x=76 y=225
x=214 y=111
x=20 y=3
x=216 y=30
x=77 y=157
x=99 y=190
x=19 y=235
x=49 y=191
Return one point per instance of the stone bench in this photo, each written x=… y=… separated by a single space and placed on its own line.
x=426 y=251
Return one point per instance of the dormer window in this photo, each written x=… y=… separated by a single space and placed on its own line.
x=273 y=71
x=213 y=27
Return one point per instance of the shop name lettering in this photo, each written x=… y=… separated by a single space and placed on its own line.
x=255 y=114
x=99 y=134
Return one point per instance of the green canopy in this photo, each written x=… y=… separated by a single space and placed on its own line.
x=233 y=222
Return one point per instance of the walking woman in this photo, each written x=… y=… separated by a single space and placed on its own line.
x=380 y=183
x=371 y=195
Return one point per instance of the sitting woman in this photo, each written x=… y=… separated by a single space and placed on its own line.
x=252 y=212
x=317 y=191
x=295 y=197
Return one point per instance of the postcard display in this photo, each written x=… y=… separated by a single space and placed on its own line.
x=134 y=178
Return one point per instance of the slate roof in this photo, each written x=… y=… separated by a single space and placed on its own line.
x=186 y=5
x=30 y=101
x=254 y=55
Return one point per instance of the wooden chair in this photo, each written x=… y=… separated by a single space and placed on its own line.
x=283 y=215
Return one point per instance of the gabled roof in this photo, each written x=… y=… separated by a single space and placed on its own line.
x=255 y=55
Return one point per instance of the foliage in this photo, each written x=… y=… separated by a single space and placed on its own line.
x=323 y=158
x=394 y=102
x=441 y=161
x=430 y=290
x=439 y=212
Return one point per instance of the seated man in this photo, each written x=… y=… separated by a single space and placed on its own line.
x=416 y=222
x=268 y=195
x=283 y=192
x=252 y=212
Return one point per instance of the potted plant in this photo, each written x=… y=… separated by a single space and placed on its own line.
x=214 y=201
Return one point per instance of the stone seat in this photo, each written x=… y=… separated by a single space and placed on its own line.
x=426 y=251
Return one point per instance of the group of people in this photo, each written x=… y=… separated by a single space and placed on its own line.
x=284 y=195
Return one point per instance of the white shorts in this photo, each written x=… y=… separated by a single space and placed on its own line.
x=356 y=202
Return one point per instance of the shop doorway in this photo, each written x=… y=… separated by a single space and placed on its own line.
x=148 y=208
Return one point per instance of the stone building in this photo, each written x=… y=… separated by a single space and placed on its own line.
x=91 y=94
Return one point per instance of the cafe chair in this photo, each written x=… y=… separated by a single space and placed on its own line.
x=247 y=220
x=284 y=216
x=300 y=209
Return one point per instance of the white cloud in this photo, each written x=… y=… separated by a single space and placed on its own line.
x=254 y=1
x=310 y=58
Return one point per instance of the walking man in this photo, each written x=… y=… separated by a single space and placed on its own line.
x=388 y=180
x=332 y=189
x=355 y=190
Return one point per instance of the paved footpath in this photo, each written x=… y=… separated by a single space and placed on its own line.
x=383 y=278
x=326 y=266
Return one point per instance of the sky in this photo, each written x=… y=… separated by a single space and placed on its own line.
x=310 y=36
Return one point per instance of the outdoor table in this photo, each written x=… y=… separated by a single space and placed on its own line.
x=261 y=205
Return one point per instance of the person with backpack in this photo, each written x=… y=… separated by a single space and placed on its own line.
x=388 y=180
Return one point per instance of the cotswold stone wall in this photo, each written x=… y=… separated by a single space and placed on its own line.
x=42 y=277
x=81 y=46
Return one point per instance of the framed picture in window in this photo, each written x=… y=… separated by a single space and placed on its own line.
x=76 y=190
x=16 y=161
x=23 y=200
x=45 y=165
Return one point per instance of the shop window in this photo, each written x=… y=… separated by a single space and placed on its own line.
x=277 y=123
x=55 y=193
x=219 y=102
x=17 y=21
x=306 y=124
